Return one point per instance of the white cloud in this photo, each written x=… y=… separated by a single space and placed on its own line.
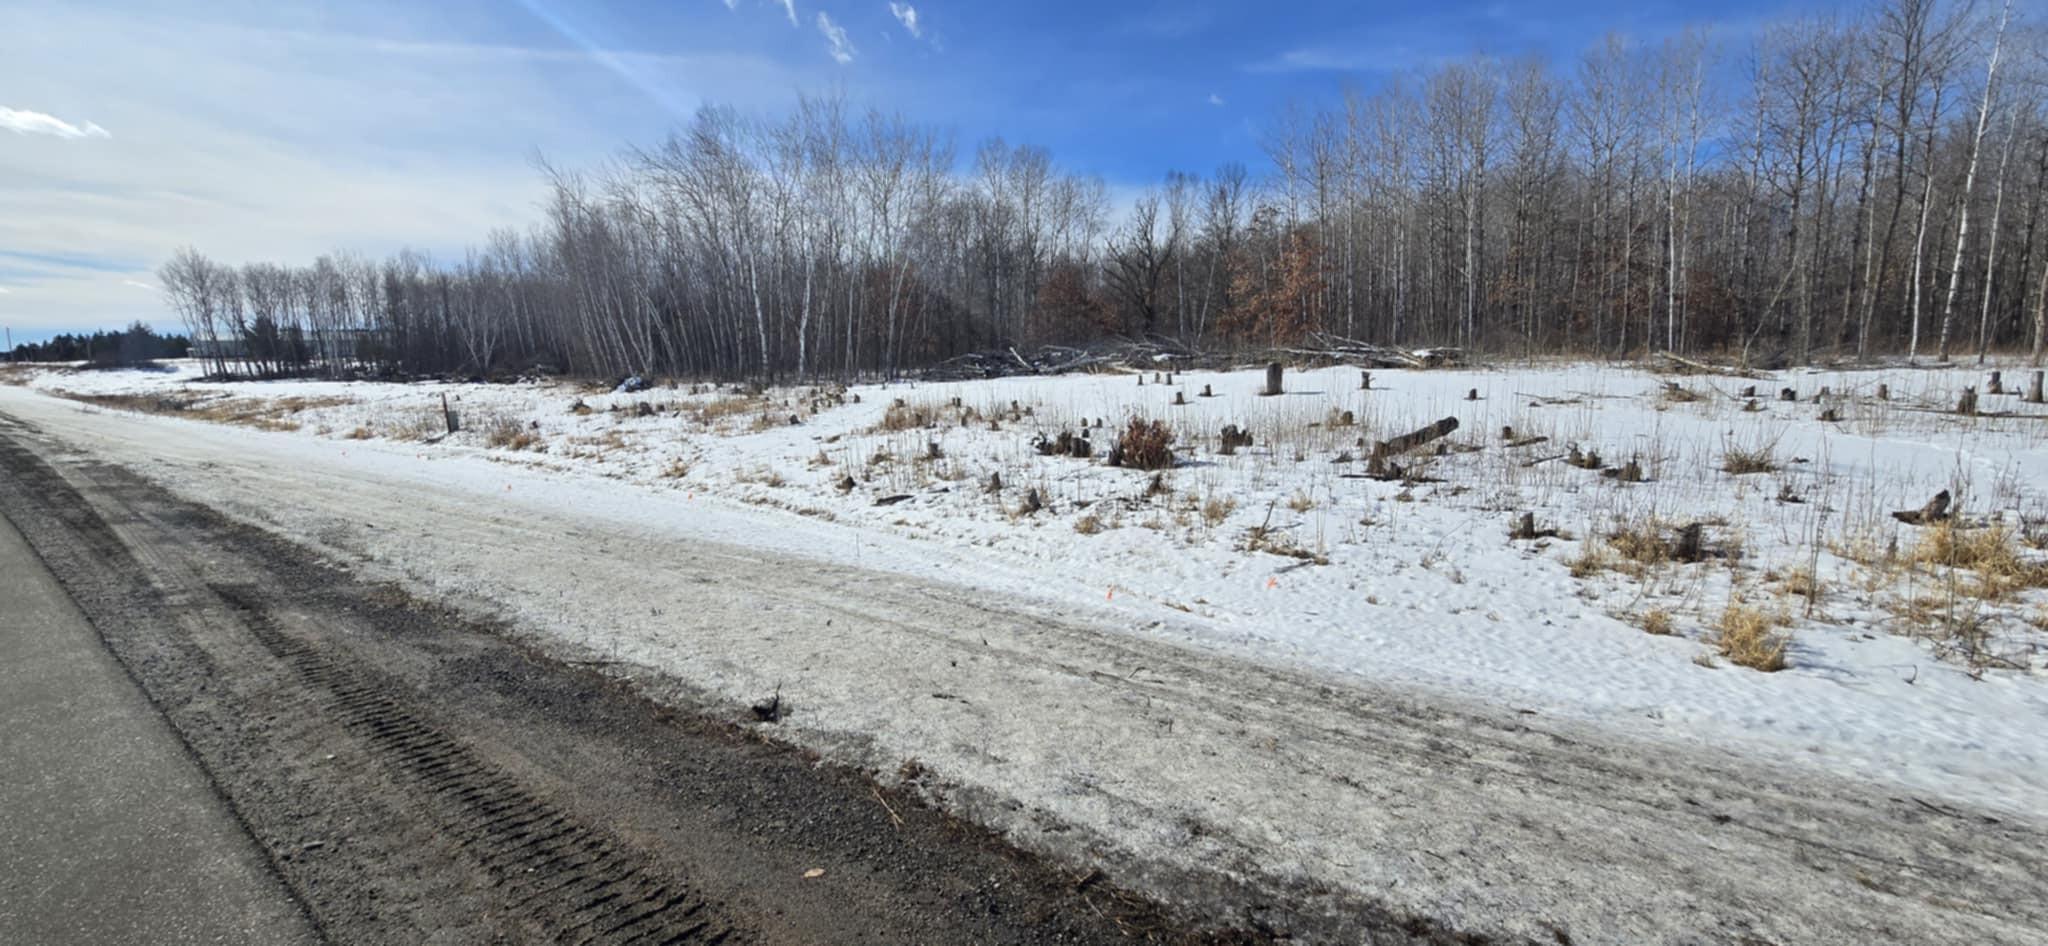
x=1216 y=100
x=138 y=285
x=24 y=122
x=732 y=4
x=907 y=15
x=5 y=291
x=789 y=7
x=842 y=48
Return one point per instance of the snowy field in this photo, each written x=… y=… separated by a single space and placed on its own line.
x=1911 y=655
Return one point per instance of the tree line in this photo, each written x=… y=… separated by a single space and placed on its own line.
x=135 y=345
x=1831 y=187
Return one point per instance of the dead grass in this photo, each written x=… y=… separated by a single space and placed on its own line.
x=1593 y=558
x=1802 y=583
x=1089 y=524
x=1217 y=509
x=1748 y=637
x=275 y=414
x=903 y=416
x=1641 y=543
x=508 y=433
x=719 y=412
x=1742 y=461
x=1993 y=553
x=1657 y=621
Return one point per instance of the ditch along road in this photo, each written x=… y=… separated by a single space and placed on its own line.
x=469 y=767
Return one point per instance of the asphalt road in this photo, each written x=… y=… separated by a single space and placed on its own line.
x=110 y=832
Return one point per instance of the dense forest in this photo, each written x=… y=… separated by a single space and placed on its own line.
x=1831 y=188
x=137 y=344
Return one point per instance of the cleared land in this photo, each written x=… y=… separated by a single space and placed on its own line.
x=1439 y=723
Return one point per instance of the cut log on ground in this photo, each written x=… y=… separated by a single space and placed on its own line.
x=1409 y=441
x=1935 y=511
x=1689 y=366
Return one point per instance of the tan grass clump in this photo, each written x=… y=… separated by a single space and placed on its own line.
x=1748 y=637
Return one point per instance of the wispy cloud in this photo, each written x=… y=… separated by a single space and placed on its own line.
x=138 y=285
x=789 y=7
x=24 y=122
x=907 y=15
x=4 y=291
x=841 y=47
x=1215 y=100
x=1386 y=58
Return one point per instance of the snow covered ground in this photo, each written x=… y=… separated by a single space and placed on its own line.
x=1899 y=669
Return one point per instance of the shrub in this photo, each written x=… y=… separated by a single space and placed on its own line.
x=1658 y=621
x=1145 y=445
x=1088 y=525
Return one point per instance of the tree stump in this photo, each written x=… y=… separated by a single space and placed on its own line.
x=1787 y=394
x=1828 y=415
x=1996 y=385
x=2034 y=389
x=1967 y=403
x=1180 y=398
x=1749 y=392
x=1365 y=381
x=1686 y=548
x=1272 y=379
x=1347 y=419
x=1206 y=392
x=448 y=414
x=1472 y=395
x=1884 y=392
x=995 y=482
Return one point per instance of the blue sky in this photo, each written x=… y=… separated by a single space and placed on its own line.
x=279 y=130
